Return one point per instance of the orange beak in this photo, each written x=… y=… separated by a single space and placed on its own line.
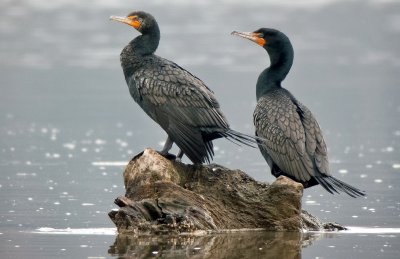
x=130 y=20
x=255 y=37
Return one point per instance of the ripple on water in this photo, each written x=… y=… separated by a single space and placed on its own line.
x=76 y=231
x=100 y=142
x=21 y=174
x=87 y=204
x=70 y=146
x=365 y=230
x=102 y=164
x=388 y=149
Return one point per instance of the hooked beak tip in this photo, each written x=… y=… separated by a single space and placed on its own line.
x=117 y=18
x=250 y=36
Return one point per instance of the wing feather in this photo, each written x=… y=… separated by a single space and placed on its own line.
x=173 y=89
x=180 y=102
x=285 y=138
x=315 y=144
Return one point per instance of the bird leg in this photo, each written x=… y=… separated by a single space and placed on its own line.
x=179 y=156
x=167 y=147
x=276 y=171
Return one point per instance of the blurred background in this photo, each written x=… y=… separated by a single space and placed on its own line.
x=68 y=124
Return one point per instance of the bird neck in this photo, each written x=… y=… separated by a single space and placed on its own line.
x=271 y=77
x=146 y=43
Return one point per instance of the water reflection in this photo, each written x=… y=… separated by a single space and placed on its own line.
x=233 y=245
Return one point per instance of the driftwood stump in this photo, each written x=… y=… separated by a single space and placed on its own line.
x=164 y=196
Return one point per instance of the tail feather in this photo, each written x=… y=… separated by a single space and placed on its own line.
x=241 y=138
x=191 y=143
x=198 y=146
x=331 y=184
x=326 y=185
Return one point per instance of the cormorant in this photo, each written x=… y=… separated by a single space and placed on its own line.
x=292 y=141
x=173 y=97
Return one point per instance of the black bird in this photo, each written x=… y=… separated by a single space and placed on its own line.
x=292 y=143
x=174 y=98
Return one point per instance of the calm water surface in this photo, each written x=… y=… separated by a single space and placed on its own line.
x=68 y=124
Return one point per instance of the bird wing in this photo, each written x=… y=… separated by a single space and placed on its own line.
x=289 y=134
x=181 y=103
x=171 y=89
x=315 y=143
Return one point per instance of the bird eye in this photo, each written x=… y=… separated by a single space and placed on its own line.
x=135 y=18
x=261 y=35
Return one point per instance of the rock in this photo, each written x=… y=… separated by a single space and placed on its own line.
x=164 y=196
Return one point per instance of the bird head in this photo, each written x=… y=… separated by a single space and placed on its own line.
x=270 y=39
x=139 y=20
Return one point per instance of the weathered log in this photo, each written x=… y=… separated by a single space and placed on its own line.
x=164 y=196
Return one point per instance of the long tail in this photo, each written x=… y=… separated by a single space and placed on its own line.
x=201 y=150
x=333 y=185
x=240 y=138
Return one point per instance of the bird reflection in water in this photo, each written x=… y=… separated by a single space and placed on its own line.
x=257 y=244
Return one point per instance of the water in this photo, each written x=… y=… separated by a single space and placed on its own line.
x=68 y=125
